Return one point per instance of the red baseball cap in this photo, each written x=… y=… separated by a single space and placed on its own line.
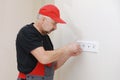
x=51 y=11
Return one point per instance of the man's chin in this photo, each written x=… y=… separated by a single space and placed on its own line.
x=47 y=32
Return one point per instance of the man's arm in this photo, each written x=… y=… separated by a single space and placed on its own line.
x=46 y=57
x=61 y=61
x=64 y=58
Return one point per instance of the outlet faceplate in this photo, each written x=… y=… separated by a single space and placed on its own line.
x=89 y=46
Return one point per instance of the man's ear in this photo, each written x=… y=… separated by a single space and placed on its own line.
x=43 y=18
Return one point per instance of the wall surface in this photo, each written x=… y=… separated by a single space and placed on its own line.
x=14 y=14
x=91 y=20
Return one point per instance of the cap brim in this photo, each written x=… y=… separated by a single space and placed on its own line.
x=59 y=20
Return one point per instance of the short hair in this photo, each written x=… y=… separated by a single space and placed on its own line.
x=40 y=15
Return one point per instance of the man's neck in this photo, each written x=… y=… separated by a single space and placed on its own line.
x=37 y=26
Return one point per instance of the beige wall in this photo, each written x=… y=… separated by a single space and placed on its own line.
x=91 y=20
x=13 y=15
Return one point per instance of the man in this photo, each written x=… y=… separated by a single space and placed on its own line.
x=36 y=58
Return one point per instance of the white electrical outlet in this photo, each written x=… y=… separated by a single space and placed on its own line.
x=90 y=46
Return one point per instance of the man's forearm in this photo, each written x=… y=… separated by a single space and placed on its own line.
x=61 y=61
x=59 y=55
x=46 y=57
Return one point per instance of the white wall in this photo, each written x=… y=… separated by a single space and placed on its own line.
x=97 y=20
x=13 y=15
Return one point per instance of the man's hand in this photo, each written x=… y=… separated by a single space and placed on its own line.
x=73 y=49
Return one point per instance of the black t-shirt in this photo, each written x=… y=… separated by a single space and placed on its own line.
x=27 y=40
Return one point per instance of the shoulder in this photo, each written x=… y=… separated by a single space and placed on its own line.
x=28 y=30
